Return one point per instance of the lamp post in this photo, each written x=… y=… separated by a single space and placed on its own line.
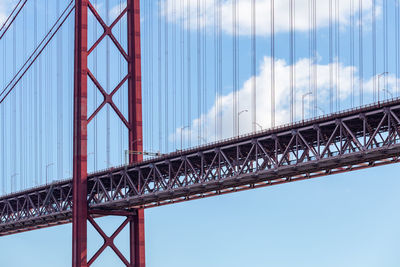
x=379 y=84
x=128 y=152
x=320 y=109
x=183 y=128
x=257 y=124
x=47 y=167
x=387 y=91
x=202 y=138
x=240 y=113
x=302 y=104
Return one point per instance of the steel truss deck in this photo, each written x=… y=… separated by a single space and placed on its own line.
x=351 y=140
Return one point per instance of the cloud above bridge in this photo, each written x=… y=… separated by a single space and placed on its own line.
x=347 y=74
x=6 y=7
x=263 y=9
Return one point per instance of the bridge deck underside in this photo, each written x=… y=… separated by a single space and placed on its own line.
x=360 y=138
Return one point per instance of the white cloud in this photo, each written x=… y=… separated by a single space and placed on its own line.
x=282 y=89
x=5 y=9
x=263 y=14
x=116 y=11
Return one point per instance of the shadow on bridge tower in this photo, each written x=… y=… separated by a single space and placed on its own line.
x=81 y=214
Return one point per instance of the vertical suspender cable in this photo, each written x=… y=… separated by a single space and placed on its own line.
x=47 y=108
x=352 y=50
x=234 y=47
x=19 y=95
x=174 y=75
x=204 y=90
x=219 y=69
x=215 y=69
x=397 y=46
x=14 y=114
x=189 y=81
x=37 y=98
x=60 y=101
x=253 y=66
x=95 y=122
x=159 y=78
x=166 y=93
x=151 y=60
x=397 y=36
x=310 y=52
x=40 y=97
x=3 y=129
x=310 y=49
x=199 y=70
x=166 y=99
x=294 y=60
x=291 y=61
x=360 y=51
x=337 y=55
x=108 y=129
x=330 y=58
x=70 y=94
x=182 y=63
x=385 y=45
x=272 y=45
x=315 y=77
x=145 y=75
x=374 y=48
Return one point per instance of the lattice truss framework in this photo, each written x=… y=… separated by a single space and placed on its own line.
x=352 y=140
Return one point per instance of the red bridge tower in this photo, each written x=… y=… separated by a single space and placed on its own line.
x=81 y=213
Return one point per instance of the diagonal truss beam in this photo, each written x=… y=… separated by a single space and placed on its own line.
x=320 y=148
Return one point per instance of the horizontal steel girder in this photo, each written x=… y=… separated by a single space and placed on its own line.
x=351 y=140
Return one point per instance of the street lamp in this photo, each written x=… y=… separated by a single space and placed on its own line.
x=47 y=167
x=320 y=109
x=183 y=128
x=379 y=84
x=202 y=138
x=384 y=89
x=240 y=113
x=128 y=152
x=302 y=104
x=257 y=124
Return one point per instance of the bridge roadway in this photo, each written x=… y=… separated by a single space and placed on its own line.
x=360 y=138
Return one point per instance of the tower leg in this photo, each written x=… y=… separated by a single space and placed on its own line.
x=137 y=241
x=137 y=235
x=80 y=205
x=79 y=209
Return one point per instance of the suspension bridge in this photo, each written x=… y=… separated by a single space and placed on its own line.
x=144 y=104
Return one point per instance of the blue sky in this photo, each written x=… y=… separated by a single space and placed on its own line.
x=344 y=220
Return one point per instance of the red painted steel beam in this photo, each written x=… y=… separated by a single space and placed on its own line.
x=80 y=210
x=137 y=233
